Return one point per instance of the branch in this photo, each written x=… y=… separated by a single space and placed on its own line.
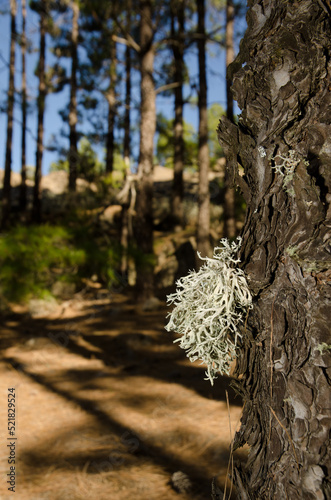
x=168 y=86
x=129 y=42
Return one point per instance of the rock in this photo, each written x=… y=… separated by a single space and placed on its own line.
x=181 y=482
x=152 y=304
x=111 y=214
x=39 y=308
x=165 y=277
x=63 y=290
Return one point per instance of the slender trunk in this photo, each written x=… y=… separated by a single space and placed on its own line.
x=111 y=99
x=6 y=202
x=36 y=209
x=144 y=217
x=203 y=244
x=282 y=141
x=24 y=109
x=229 y=192
x=127 y=121
x=177 y=11
x=73 y=154
x=125 y=220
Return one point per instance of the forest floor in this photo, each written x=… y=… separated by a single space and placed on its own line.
x=107 y=407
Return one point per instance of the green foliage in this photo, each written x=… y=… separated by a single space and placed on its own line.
x=215 y=111
x=33 y=258
x=165 y=143
x=88 y=165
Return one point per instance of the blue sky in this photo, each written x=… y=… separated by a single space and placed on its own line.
x=55 y=102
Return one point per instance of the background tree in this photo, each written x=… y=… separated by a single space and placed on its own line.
x=73 y=138
x=281 y=81
x=203 y=244
x=36 y=208
x=6 y=200
x=178 y=45
x=229 y=194
x=24 y=110
x=144 y=217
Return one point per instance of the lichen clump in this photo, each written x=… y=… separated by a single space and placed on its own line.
x=209 y=307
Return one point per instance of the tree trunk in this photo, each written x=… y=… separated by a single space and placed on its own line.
x=144 y=216
x=36 y=208
x=177 y=11
x=111 y=99
x=73 y=154
x=24 y=110
x=6 y=201
x=281 y=80
x=229 y=193
x=127 y=121
x=203 y=244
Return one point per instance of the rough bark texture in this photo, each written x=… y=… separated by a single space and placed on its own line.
x=144 y=216
x=73 y=155
x=178 y=42
x=281 y=80
x=203 y=244
x=24 y=111
x=229 y=194
x=6 y=201
x=36 y=208
x=111 y=99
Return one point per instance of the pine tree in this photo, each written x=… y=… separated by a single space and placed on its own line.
x=281 y=81
x=203 y=154
x=6 y=201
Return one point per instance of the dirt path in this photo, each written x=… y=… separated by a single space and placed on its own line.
x=107 y=407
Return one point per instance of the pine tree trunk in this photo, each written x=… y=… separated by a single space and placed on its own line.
x=24 y=110
x=36 y=208
x=229 y=193
x=203 y=244
x=281 y=80
x=144 y=210
x=6 y=201
x=177 y=12
x=127 y=121
x=73 y=154
x=111 y=99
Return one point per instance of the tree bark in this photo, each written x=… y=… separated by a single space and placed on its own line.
x=36 y=208
x=6 y=201
x=203 y=244
x=111 y=99
x=281 y=80
x=127 y=121
x=24 y=111
x=144 y=216
x=229 y=193
x=178 y=42
x=73 y=154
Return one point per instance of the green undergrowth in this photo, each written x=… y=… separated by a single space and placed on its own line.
x=33 y=258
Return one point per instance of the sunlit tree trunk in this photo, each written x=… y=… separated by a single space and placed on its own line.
x=281 y=80
x=127 y=120
x=203 y=154
x=73 y=155
x=24 y=111
x=178 y=42
x=111 y=99
x=36 y=208
x=6 y=201
x=144 y=216
x=229 y=193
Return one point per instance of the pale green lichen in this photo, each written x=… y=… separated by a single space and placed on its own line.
x=209 y=307
x=324 y=347
x=285 y=166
